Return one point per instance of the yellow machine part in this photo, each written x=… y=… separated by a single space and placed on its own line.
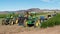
x=16 y=21
x=26 y=24
x=12 y=22
x=37 y=23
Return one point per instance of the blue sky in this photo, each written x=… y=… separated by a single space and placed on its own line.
x=11 y=5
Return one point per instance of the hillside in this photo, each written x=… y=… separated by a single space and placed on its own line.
x=32 y=10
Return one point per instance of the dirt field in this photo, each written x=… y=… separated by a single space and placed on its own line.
x=21 y=30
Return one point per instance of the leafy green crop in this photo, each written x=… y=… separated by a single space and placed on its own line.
x=52 y=21
x=7 y=15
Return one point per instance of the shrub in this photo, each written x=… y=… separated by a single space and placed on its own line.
x=52 y=21
x=43 y=25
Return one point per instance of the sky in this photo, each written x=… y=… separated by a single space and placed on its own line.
x=12 y=5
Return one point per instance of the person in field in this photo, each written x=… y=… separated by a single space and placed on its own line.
x=42 y=18
x=21 y=20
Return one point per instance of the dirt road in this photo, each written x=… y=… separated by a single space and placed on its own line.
x=22 y=30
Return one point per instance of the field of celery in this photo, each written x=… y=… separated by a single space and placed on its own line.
x=51 y=22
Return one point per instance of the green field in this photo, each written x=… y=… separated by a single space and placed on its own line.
x=51 y=22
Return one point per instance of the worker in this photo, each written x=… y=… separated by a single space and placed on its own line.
x=53 y=14
x=49 y=16
x=21 y=20
x=42 y=19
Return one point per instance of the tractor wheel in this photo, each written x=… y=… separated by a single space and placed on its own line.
x=11 y=22
x=3 y=22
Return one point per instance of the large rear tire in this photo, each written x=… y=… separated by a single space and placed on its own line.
x=4 y=22
x=11 y=22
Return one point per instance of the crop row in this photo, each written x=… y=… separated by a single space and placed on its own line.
x=51 y=22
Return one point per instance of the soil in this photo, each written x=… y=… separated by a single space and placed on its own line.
x=13 y=29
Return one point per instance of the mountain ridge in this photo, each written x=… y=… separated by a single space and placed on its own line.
x=32 y=10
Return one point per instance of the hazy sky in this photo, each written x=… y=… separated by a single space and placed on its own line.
x=26 y=4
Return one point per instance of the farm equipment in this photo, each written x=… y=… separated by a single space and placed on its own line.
x=32 y=20
x=29 y=19
x=7 y=21
x=10 y=20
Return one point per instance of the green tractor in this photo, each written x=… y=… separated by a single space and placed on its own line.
x=5 y=22
x=32 y=20
x=9 y=20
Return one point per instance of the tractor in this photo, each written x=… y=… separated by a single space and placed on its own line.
x=32 y=20
x=10 y=20
x=5 y=21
